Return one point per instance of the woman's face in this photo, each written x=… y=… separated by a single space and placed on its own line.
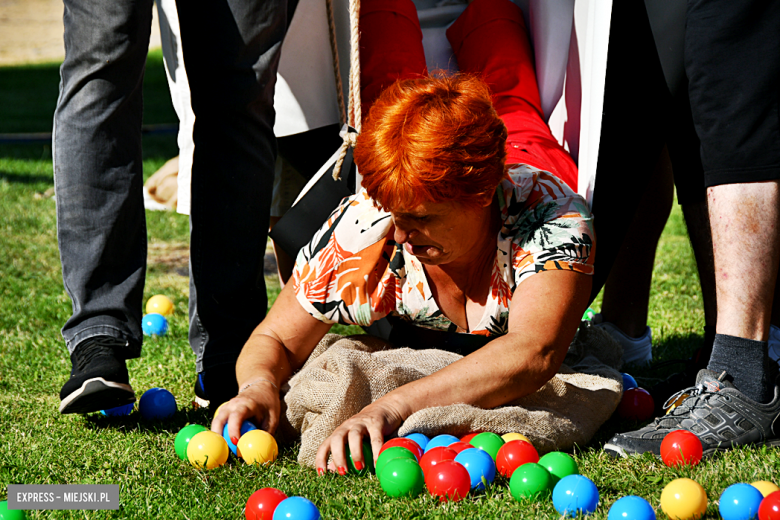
x=444 y=232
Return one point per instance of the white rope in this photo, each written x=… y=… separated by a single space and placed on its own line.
x=355 y=110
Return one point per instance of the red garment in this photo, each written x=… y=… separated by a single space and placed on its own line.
x=489 y=39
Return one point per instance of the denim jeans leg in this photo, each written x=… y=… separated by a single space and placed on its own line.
x=231 y=52
x=101 y=225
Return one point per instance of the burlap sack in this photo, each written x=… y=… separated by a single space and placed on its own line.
x=345 y=374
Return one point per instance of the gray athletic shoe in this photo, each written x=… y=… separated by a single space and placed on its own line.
x=721 y=417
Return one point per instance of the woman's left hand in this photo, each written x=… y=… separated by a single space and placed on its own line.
x=376 y=420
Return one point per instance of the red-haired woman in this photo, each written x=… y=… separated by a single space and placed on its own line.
x=461 y=231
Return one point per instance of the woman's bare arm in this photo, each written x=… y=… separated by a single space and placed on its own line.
x=276 y=349
x=543 y=318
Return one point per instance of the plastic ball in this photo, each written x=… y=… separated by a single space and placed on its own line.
x=368 y=460
x=574 y=495
x=402 y=478
x=262 y=504
x=631 y=508
x=184 y=437
x=488 y=441
x=636 y=404
x=530 y=480
x=207 y=450
x=559 y=465
x=296 y=508
x=441 y=440
x=10 y=514
x=740 y=502
x=513 y=436
x=404 y=443
x=448 y=480
x=459 y=446
x=154 y=325
x=157 y=403
x=159 y=304
x=119 y=411
x=629 y=382
x=514 y=454
x=421 y=439
x=680 y=448
x=770 y=507
x=479 y=464
x=470 y=435
x=257 y=446
x=683 y=499
x=766 y=487
x=588 y=315
x=395 y=452
x=246 y=426
x=436 y=455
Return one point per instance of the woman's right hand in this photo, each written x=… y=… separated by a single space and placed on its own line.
x=259 y=403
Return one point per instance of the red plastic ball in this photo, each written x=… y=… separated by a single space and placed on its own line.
x=680 y=448
x=637 y=404
x=459 y=446
x=448 y=480
x=404 y=443
x=770 y=507
x=262 y=504
x=435 y=456
x=467 y=438
x=514 y=454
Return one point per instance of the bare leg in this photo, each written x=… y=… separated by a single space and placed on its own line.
x=746 y=247
x=627 y=291
x=698 y=222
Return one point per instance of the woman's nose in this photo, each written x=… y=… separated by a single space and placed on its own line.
x=402 y=233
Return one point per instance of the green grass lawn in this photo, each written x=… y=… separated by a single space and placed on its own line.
x=39 y=446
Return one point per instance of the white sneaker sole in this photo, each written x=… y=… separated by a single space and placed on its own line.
x=97 y=394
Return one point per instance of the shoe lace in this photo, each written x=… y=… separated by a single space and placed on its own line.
x=697 y=392
x=93 y=348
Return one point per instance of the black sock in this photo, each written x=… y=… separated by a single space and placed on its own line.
x=747 y=362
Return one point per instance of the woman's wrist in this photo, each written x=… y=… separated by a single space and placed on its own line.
x=257 y=381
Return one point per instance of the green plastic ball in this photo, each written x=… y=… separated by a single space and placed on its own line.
x=10 y=514
x=402 y=478
x=183 y=439
x=396 y=452
x=488 y=441
x=368 y=460
x=559 y=465
x=588 y=315
x=530 y=480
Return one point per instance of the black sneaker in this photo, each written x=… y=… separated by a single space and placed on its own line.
x=221 y=383
x=721 y=417
x=201 y=397
x=98 y=380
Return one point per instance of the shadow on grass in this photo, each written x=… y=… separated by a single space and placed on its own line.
x=136 y=423
x=15 y=178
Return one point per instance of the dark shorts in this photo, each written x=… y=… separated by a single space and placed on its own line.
x=732 y=59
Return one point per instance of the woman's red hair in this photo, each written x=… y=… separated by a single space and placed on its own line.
x=433 y=139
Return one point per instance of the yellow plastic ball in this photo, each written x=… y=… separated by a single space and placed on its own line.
x=257 y=446
x=683 y=499
x=765 y=487
x=159 y=304
x=207 y=450
x=512 y=436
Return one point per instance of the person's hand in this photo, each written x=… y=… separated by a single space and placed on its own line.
x=259 y=403
x=375 y=420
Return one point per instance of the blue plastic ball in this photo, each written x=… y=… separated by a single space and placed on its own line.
x=157 y=403
x=441 y=440
x=740 y=502
x=296 y=508
x=480 y=465
x=575 y=494
x=631 y=508
x=629 y=382
x=245 y=427
x=154 y=325
x=421 y=439
x=119 y=411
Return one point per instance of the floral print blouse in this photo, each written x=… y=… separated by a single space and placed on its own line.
x=354 y=273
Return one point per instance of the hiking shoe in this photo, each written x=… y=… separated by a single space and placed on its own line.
x=98 y=380
x=636 y=351
x=721 y=417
